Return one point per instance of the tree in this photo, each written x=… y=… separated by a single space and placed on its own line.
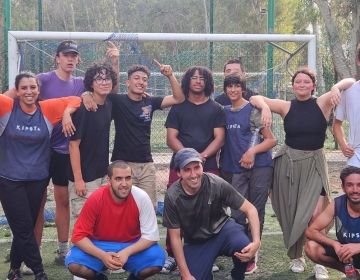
x=341 y=27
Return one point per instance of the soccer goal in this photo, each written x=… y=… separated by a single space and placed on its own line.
x=35 y=51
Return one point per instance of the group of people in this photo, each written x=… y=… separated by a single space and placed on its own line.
x=213 y=206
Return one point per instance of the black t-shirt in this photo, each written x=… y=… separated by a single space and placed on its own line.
x=93 y=129
x=202 y=215
x=133 y=126
x=196 y=124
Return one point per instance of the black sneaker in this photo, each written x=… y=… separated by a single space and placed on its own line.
x=60 y=258
x=14 y=274
x=41 y=276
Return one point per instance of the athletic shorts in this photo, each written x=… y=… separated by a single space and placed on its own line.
x=329 y=251
x=150 y=257
x=59 y=168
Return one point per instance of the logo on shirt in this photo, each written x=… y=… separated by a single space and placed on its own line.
x=146 y=113
x=351 y=234
x=233 y=126
x=27 y=128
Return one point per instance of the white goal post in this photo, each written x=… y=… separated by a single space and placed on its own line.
x=15 y=36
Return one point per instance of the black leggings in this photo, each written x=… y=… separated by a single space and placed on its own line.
x=21 y=203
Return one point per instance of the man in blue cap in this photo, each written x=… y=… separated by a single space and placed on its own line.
x=194 y=205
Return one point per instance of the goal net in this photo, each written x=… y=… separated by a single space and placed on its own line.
x=35 y=51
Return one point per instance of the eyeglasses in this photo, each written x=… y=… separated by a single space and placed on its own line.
x=100 y=80
x=195 y=78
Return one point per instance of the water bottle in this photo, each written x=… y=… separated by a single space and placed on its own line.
x=350 y=271
x=255 y=138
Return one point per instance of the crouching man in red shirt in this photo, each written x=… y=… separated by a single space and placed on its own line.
x=117 y=228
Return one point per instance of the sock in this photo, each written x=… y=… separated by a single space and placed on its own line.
x=63 y=247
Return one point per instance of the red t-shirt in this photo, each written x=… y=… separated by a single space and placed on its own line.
x=103 y=219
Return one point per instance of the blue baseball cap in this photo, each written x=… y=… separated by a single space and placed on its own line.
x=185 y=156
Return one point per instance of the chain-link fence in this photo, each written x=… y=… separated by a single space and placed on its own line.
x=38 y=56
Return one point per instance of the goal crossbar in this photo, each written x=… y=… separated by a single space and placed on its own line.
x=15 y=36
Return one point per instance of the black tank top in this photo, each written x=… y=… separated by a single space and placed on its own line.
x=305 y=125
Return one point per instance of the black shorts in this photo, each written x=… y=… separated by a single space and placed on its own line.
x=59 y=168
x=329 y=251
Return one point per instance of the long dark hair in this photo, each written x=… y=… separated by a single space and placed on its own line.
x=205 y=72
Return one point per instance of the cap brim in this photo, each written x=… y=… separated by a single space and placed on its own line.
x=70 y=51
x=186 y=162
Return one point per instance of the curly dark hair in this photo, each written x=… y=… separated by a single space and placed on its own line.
x=203 y=71
x=234 y=79
x=25 y=74
x=97 y=69
x=347 y=171
x=307 y=71
x=137 y=67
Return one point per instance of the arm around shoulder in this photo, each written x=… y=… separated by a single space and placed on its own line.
x=278 y=106
x=10 y=93
x=332 y=97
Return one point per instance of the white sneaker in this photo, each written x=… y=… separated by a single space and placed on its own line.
x=78 y=278
x=215 y=268
x=26 y=270
x=169 y=266
x=320 y=272
x=298 y=265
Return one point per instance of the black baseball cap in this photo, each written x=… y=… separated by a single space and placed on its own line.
x=67 y=46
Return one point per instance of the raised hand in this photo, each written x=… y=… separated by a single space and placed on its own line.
x=166 y=70
x=112 y=52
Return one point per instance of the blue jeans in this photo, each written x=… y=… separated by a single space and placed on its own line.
x=200 y=257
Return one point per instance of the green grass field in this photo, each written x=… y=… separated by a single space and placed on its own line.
x=273 y=262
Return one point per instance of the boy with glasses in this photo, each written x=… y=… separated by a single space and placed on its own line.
x=89 y=146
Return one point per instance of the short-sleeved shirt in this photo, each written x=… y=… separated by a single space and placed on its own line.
x=195 y=124
x=51 y=86
x=102 y=218
x=93 y=129
x=240 y=124
x=349 y=109
x=200 y=216
x=133 y=127
x=25 y=138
